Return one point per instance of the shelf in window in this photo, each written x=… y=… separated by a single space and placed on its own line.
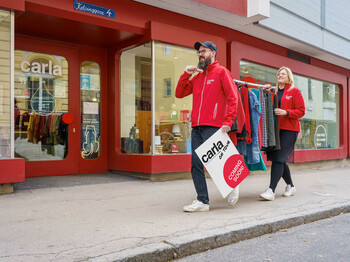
x=169 y=122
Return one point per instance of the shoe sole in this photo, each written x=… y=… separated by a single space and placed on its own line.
x=269 y=199
x=292 y=194
x=233 y=202
x=196 y=210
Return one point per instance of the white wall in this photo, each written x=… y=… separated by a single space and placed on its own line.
x=324 y=24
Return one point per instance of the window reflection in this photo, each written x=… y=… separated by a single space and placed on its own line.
x=171 y=117
x=320 y=125
x=41 y=99
x=136 y=100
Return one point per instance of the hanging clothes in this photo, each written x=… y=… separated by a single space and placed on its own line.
x=263 y=113
x=254 y=160
x=270 y=125
x=276 y=123
x=245 y=98
x=253 y=150
x=239 y=122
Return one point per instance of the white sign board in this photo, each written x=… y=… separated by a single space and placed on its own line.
x=222 y=161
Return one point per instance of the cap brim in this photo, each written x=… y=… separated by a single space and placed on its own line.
x=197 y=45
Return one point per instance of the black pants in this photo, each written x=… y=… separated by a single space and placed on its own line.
x=278 y=170
x=199 y=135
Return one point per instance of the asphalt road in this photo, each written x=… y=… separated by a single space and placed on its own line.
x=324 y=240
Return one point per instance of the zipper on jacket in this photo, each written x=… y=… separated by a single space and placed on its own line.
x=200 y=106
x=215 y=110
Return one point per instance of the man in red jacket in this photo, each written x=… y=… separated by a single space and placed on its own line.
x=214 y=106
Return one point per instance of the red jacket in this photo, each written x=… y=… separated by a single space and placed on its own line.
x=293 y=102
x=215 y=96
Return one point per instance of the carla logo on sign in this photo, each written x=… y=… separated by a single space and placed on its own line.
x=216 y=149
x=38 y=68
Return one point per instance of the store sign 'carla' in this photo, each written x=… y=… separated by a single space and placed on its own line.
x=38 y=68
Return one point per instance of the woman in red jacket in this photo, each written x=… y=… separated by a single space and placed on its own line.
x=291 y=108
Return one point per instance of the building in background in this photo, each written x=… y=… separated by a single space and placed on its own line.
x=88 y=86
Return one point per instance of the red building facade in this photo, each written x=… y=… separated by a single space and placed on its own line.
x=96 y=92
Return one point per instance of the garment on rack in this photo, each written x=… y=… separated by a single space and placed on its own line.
x=245 y=98
x=240 y=118
x=263 y=113
x=253 y=150
x=276 y=123
x=242 y=134
x=270 y=125
x=260 y=166
x=255 y=162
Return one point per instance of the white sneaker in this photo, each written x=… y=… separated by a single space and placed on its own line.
x=290 y=190
x=268 y=195
x=196 y=206
x=233 y=196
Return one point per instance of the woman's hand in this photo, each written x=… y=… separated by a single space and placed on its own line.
x=280 y=112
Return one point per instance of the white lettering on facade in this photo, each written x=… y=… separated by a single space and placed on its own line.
x=84 y=8
x=38 y=68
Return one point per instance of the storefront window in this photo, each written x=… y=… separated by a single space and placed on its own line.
x=172 y=115
x=171 y=118
x=320 y=125
x=5 y=84
x=136 y=100
x=41 y=99
x=90 y=94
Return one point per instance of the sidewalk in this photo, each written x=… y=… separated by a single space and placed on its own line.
x=115 y=218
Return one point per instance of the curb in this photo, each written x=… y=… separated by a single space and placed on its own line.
x=179 y=247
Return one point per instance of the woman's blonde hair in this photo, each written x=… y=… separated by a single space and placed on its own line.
x=289 y=74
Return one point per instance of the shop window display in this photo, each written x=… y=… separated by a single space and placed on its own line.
x=320 y=125
x=135 y=100
x=41 y=100
x=171 y=116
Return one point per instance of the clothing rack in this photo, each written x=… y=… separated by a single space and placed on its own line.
x=252 y=84
x=40 y=111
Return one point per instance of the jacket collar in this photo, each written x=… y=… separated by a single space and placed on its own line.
x=286 y=87
x=211 y=66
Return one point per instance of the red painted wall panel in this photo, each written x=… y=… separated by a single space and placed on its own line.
x=238 y=7
x=12 y=4
x=12 y=170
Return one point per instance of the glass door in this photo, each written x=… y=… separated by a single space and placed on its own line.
x=46 y=114
x=41 y=100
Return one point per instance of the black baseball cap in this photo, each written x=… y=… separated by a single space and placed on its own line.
x=207 y=44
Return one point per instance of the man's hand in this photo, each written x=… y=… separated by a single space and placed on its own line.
x=225 y=128
x=268 y=87
x=191 y=69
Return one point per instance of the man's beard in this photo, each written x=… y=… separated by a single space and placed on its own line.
x=205 y=63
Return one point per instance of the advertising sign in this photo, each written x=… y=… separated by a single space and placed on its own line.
x=223 y=162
